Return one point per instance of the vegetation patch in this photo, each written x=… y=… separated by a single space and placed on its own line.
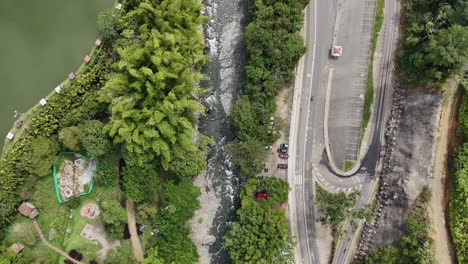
x=335 y=208
x=134 y=109
x=261 y=233
x=274 y=47
x=458 y=208
x=416 y=245
x=348 y=164
x=434 y=41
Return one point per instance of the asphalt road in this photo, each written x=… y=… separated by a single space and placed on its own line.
x=307 y=148
x=318 y=35
x=349 y=79
x=371 y=159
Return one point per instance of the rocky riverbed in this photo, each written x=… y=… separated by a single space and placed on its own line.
x=407 y=165
x=220 y=182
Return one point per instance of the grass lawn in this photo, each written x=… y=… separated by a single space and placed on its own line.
x=52 y=214
x=348 y=164
x=74 y=241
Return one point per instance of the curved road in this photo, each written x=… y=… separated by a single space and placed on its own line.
x=308 y=158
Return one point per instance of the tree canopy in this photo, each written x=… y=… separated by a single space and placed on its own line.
x=114 y=218
x=40 y=159
x=434 y=41
x=151 y=95
x=92 y=137
x=261 y=234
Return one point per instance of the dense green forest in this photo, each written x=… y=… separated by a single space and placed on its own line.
x=434 y=40
x=458 y=214
x=261 y=234
x=134 y=103
x=415 y=246
x=274 y=47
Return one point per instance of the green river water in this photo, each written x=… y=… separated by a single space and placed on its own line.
x=40 y=43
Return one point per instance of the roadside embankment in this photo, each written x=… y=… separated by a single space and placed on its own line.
x=407 y=166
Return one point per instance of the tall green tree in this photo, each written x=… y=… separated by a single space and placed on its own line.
x=260 y=234
x=140 y=181
x=40 y=159
x=94 y=140
x=248 y=155
x=69 y=138
x=151 y=95
x=114 y=218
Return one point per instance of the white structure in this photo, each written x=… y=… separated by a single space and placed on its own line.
x=10 y=136
x=68 y=193
x=58 y=89
x=79 y=162
x=68 y=169
x=118 y=6
x=43 y=102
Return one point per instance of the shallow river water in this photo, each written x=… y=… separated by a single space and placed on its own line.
x=221 y=182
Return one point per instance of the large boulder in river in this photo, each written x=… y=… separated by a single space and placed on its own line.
x=209 y=240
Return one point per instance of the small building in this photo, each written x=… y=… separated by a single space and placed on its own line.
x=17 y=247
x=28 y=210
x=79 y=162
x=68 y=193
x=43 y=102
x=58 y=89
x=71 y=76
x=97 y=42
x=10 y=136
x=87 y=58
x=18 y=123
x=118 y=6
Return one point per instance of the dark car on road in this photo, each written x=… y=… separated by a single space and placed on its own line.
x=283 y=148
x=283 y=156
x=282 y=166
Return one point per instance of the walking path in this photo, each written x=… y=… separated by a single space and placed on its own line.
x=443 y=252
x=137 y=250
x=49 y=245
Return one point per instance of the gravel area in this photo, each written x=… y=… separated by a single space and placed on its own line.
x=408 y=162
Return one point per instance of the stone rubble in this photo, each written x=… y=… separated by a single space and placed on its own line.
x=406 y=169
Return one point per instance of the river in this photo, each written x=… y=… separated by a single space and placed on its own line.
x=41 y=42
x=220 y=182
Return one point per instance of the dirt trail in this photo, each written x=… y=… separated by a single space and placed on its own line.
x=137 y=250
x=49 y=245
x=443 y=252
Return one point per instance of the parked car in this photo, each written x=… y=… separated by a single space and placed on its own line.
x=282 y=150
x=284 y=146
x=283 y=156
x=282 y=166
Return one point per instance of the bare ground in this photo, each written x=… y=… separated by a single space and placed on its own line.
x=407 y=168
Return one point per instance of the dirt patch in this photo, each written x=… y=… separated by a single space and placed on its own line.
x=90 y=211
x=407 y=165
x=74 y=175
x=283 y=110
